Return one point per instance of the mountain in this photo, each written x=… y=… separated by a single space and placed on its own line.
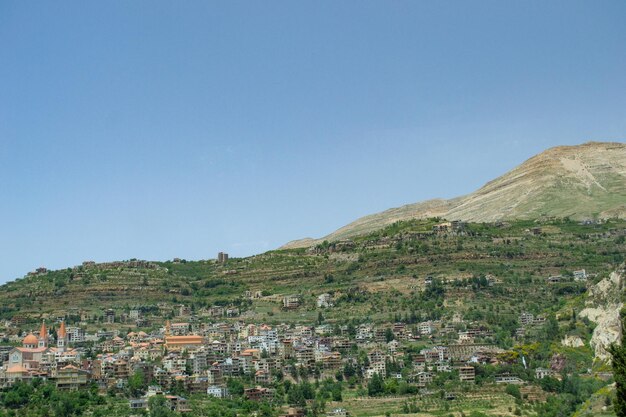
x=528 y=297
x=581 y=182
x=549 y=291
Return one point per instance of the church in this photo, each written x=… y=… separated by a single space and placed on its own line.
x=188 y=342
x=36 y=358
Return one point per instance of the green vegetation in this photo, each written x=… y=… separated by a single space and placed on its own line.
x=484 y=274
x=43 y=399
x=619 y=371
x=365 y=273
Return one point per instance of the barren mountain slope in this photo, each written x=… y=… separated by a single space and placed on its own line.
x=584 y=181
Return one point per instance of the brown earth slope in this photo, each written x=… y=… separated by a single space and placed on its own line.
x=583 y=181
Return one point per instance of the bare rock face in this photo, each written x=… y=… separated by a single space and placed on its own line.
x=572 y=341
x=604 y=306
x=558 y=362
x=581 y=182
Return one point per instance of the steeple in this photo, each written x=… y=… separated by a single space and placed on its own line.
x=167 y=328
x=62 y=338
x=43 y=335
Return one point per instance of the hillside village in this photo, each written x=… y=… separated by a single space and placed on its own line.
x=313 y=208
x=199 y=357
x=435 y=342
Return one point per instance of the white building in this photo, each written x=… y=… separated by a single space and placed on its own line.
x=426 y=327
x=541 y=373
x=379 y=368
x=526 y=318
x=324 y=301
x=76 y=334
x=509 y=379
x=217 y=391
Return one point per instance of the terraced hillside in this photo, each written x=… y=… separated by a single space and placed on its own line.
x=495 y=297
x=370 y=276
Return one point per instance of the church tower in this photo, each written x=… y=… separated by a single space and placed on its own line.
x=62 y=338
x=43 y=336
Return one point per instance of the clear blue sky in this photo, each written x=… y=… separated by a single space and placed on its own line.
x=155 y=130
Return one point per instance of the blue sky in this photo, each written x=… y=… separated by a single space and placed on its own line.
x=154 y=130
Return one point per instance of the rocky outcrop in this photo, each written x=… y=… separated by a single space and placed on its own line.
x=604 y=304
x=572 y=341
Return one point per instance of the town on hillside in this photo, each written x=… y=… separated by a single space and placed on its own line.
x=518 y=341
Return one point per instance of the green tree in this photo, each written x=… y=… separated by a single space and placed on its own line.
x=336 y=392
x=348 y=370
x=137 y=384
x=551 y=328
x=389 y=336
x=375 y=386
x=159 y=407
x=295 y=396
x=318 y=407
x=513 y=390
x=235 y=386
